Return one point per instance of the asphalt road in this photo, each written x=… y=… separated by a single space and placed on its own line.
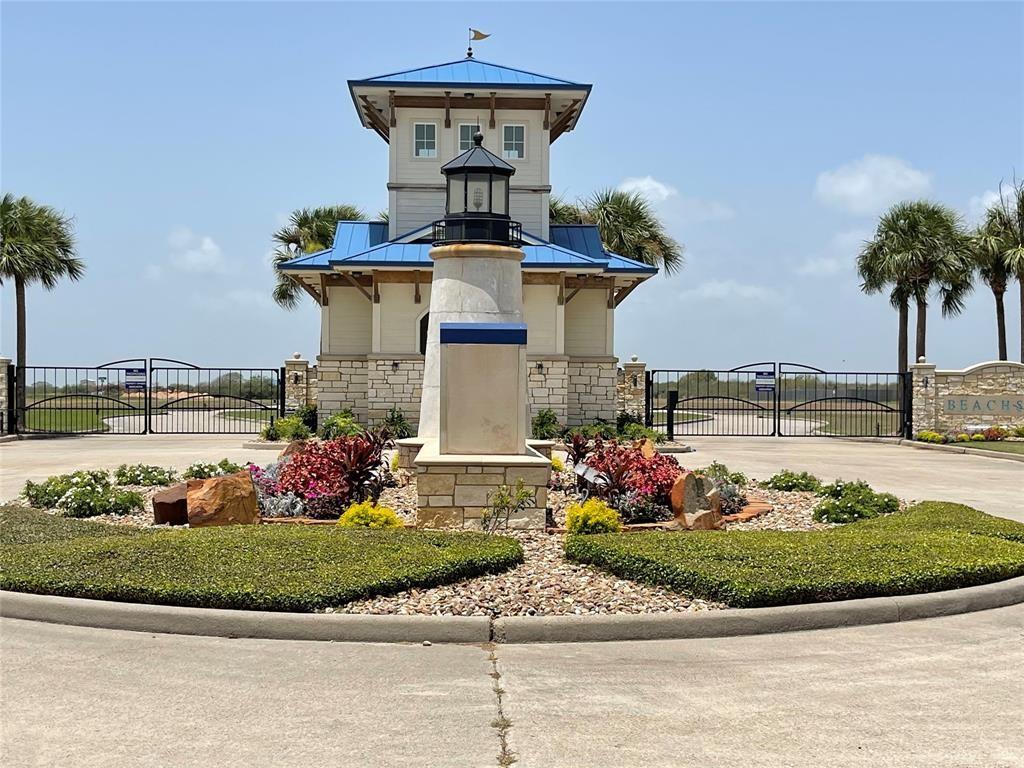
x=939 y=693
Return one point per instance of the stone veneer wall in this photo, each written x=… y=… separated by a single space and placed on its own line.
x=579 y=390
x=983 y=395
x=592 y=390
x=394 y=382
x=548 y=386
x=455 y=495
x=341 y=385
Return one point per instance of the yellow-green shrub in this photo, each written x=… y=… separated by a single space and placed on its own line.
x=963 y=437
x=366 y=514
x=557 y=464
x=593 y=516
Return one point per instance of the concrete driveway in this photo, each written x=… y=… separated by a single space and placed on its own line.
x=939 y=693
x=990 y=484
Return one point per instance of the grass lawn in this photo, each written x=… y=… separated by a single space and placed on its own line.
x=253 y=415
x=1004 y=446
x=68 y=420
x=262 y=567
x=933 y=546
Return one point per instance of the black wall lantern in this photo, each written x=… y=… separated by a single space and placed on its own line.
x=476 y=200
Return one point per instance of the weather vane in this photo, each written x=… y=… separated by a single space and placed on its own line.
x=475 y=34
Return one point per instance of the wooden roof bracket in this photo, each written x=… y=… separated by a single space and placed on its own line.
x=447 y=109
x=376 y=290
x=310 y=290
x=547 y=111
x=416 y=293
x=323 y=289
x=561 y=289
x=493 y=95
x=572 y=293
x=625 y=291
x=356 y=284
x=391 y=108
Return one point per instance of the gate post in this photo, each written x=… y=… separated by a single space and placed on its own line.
x=672 y=400
x=7 y=378
x=282 y=383
x=648 y=401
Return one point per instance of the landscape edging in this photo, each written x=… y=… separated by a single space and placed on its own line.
x=137 y=617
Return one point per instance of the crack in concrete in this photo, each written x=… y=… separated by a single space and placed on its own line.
x=502 y=723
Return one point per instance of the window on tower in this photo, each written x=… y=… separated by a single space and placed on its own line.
x=466 y=131
x=425 y=140
x=514 y=142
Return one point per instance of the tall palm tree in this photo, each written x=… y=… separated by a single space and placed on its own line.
x=1007 y=221
x=308 y=230
x=627 y=224
x=36 y=246
x=918 y=247
x=989 y=250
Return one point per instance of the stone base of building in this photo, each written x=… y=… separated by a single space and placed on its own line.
x=580 y=390
x=410 y=447
x=454 y=490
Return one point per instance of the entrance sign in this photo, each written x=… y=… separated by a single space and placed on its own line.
x=764 y=381
x=1010 y=404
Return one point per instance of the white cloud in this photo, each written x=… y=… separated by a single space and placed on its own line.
x=979 y=204
x=717 y=290
x=154 y=272
x=870 y=184
x=648 y=186
x=194 y=253
x=674 y=208
x=839 y=255
x=244 y=297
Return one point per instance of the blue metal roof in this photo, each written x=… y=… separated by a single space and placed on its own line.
x=469 y=72
x=365 y=244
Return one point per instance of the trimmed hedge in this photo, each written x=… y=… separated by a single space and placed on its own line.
x=931 y=547
x=23 y=525
x=265 y=567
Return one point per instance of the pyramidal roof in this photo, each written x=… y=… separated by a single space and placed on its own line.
x=470 y=72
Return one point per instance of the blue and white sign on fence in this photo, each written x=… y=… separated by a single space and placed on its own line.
x=764 y=381
x=135 y=379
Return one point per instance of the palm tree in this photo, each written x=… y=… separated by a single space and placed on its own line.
x=918 y=247
x=1006 y=222
x=308 y=230
x=989 y=251
x=628 y=226
x=36 y=246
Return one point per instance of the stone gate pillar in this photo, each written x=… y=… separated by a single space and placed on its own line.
x=925 y=398
x=296 y=382
x=632 y=391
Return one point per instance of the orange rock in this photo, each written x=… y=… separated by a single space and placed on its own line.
x=705 y=520
x=227 y=500
x=295 y=446
x=646 y=447
x=170 y=506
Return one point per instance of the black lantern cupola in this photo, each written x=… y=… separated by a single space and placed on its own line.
x=476 y=203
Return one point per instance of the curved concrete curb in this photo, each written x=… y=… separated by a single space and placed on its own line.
x=166 y=619
x=338 y=627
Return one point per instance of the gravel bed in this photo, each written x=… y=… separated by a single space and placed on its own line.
x=546 y=584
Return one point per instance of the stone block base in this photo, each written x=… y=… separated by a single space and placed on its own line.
x=454 y=490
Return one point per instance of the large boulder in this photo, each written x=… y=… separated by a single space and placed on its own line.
x=170 y=506
x=696 y=503
x=295 y=446
x=705 y=520
x=226 y=500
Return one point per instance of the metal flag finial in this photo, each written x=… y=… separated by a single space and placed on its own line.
x=475 y=34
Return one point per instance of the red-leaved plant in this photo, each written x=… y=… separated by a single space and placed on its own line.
x=624 y=468
x=336 y=472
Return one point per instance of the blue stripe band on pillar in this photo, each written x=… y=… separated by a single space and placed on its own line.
x=483 y=333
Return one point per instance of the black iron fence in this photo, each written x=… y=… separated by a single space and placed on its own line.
x=778 y=399
x=140 y=396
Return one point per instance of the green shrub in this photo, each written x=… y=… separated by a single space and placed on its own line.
x=46 y=494
x=720 y=474
x=203 y=470
x=366 y=514
x=144 y=474
x=640 y=432
x=269 y=432
x=341 y=424
x=504 y=503
x=307 y=415
x=600 y=429
x=91 y=500
x=394 y=461
x=928 y=436
x=978 y=438
x=963 y=437
x=24 y=525
x=592 y=516
x=934 y=546
x=253 y=567
x=287 y=428
x=845 y=502
x=787 y=480
x=1018 y=431
x=545 y=426
x=397 y=425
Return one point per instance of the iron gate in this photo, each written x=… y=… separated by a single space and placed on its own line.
x=778 y=399
x=139 y=396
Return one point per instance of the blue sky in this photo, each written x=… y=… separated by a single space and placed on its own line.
x=768 y=135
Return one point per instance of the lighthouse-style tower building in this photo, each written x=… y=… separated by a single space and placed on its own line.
x=374 y=282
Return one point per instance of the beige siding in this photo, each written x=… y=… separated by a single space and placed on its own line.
x=415 y=208
x=528 y=208
x=399 y=316
x=349 y=319
x=540 y=304
x=586 y=323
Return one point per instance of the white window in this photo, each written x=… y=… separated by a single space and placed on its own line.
x=514 y=142
x=425 y=140
x=466 y=131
